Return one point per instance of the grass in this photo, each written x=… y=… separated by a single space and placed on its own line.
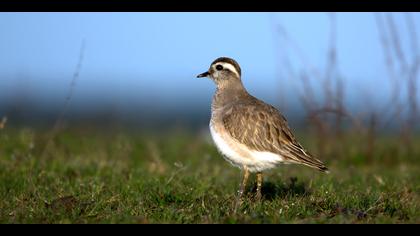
x=179 y=177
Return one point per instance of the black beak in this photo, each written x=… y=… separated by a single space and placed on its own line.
x=205 y=74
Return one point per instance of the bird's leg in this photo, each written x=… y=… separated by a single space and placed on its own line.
x=241 y=188
x=259 y=186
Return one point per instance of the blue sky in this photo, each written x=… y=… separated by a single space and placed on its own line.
x=135 y=58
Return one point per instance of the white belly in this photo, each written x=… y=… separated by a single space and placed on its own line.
x=241 y=156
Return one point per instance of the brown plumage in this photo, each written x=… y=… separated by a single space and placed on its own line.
x=262 y=128
x=252 y=122
x=250 y=134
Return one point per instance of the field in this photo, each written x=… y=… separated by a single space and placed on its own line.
x=177 y=176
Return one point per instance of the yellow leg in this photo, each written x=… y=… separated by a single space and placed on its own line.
x=259 y=186
x=241 y=188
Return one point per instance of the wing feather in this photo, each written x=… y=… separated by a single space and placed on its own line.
x=262 y=128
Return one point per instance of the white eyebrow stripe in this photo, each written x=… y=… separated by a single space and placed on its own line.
x=229 y=67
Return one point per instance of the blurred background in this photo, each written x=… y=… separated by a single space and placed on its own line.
x=102 y=118
x=327 y=72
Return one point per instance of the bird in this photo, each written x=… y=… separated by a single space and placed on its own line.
x=249 y=133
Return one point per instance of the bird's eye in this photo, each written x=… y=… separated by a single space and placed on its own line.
x=219 y=67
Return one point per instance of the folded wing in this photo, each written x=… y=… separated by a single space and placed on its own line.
x=262 y=128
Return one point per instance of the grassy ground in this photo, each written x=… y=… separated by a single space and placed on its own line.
x=88 y=177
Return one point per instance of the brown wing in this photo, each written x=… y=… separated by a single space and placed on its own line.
x=262 y=128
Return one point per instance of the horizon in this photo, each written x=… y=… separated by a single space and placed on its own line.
x=131 y=59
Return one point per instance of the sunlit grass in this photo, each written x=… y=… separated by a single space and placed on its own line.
x=179 y=177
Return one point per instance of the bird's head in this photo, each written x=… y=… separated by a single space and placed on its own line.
x=223 y=70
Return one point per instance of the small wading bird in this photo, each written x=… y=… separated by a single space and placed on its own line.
x=249 y=133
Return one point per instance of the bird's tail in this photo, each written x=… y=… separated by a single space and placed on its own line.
x=300 y=156
x=315 y=163
x=324 y=169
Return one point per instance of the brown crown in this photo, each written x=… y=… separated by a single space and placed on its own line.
x=230 y=61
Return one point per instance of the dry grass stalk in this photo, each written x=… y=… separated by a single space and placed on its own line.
x=3 y=122
x=402 y=69
x=332 y=87
x=59 y=121
x=156 y=165
x=406 y=67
